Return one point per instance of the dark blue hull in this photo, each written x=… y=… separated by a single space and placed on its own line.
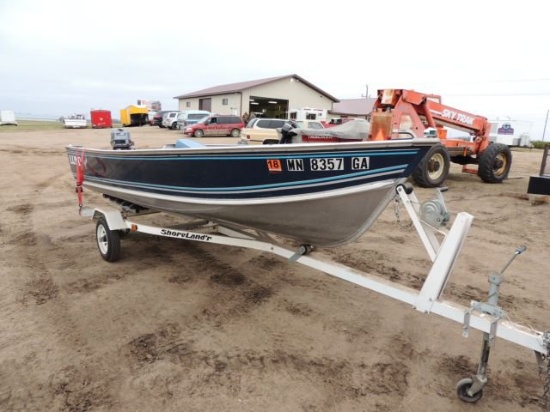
x=260 y=186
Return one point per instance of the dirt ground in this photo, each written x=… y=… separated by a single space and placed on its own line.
x=185 y=326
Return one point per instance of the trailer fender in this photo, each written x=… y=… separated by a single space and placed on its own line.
x=113 y=217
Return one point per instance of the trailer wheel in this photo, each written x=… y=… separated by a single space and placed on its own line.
x=495 y=163
x=108 y=241
x=235 y=133
x=462 y=391
x=198 y=133
x=433 y=168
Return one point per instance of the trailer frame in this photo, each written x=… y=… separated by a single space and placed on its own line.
x=428 y=219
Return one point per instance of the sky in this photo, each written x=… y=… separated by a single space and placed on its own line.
x=489 y=58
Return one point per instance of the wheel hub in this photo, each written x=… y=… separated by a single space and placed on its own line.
x=434 y=165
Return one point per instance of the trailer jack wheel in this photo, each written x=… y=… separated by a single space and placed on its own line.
x=108 y=241
x=462 y=389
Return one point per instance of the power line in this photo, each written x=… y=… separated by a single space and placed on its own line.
x=491 y=81
x=503 y=81
x=497 y=94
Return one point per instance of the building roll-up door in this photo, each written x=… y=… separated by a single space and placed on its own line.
x=205 y=104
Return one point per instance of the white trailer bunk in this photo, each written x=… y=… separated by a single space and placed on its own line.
x=429 y=220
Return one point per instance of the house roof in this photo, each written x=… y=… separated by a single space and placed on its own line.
x=239 y=87
x=353 y=107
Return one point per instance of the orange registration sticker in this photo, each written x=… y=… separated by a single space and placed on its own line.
x=274 y=165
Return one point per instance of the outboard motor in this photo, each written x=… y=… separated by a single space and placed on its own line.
x=286 y=132
x=120 y=140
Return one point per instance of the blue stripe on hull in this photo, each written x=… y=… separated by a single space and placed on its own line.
x=239 y=175
x=228 y=157
x=318 y=183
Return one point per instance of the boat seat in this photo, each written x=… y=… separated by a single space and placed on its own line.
x=187 y=143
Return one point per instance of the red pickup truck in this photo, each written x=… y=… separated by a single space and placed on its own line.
x=338 y=121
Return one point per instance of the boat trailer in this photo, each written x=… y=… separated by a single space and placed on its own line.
x=429 y=220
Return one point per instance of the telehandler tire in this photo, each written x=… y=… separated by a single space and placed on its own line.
x=495 y=163
x=433 y=168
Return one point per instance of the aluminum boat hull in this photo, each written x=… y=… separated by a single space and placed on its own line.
x=323 y=195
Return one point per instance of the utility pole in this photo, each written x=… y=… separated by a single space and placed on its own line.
x=366 y=95
x=545 y=123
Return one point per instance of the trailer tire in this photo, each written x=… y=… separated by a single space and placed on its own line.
x=495 y=163
x=108 y=241
x=433 y=168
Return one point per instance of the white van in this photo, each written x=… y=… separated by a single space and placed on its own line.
x=169 y=120
x=189 y=117
x=7 y=117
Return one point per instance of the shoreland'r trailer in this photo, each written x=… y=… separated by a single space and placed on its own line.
x=429 y=219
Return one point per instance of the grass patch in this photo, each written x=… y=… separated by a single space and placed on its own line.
x=40 y=125
x=539 y=144
x=29 y=125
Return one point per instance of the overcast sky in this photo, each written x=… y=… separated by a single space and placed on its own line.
x=487 y=57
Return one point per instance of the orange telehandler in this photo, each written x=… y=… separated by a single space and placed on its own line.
x=399 y=112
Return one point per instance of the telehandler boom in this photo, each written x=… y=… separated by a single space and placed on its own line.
x=397 y=112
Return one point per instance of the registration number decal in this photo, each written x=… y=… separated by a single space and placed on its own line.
x=327 y=164
x=360 y=163
x=274 y=165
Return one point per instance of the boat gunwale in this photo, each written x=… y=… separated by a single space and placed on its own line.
x=275 y=148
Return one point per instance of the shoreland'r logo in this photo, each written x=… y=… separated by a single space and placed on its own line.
x=185 y=235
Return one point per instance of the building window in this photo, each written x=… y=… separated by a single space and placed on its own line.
x=187 y=104
x=225 y=102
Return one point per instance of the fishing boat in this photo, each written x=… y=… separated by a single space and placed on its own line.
x=320 y=194
x=324 y=195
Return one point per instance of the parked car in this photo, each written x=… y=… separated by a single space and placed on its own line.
x=258 y=130
x=216 y=125
x=170 y=120
x=75 y=121
x=189 y=117
x=157 y=119
x=151 y=117
x=264 y=131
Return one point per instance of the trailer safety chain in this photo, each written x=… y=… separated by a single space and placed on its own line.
x=544 y=400
x=397 y=211
x=546 y=392
x=80 y=172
